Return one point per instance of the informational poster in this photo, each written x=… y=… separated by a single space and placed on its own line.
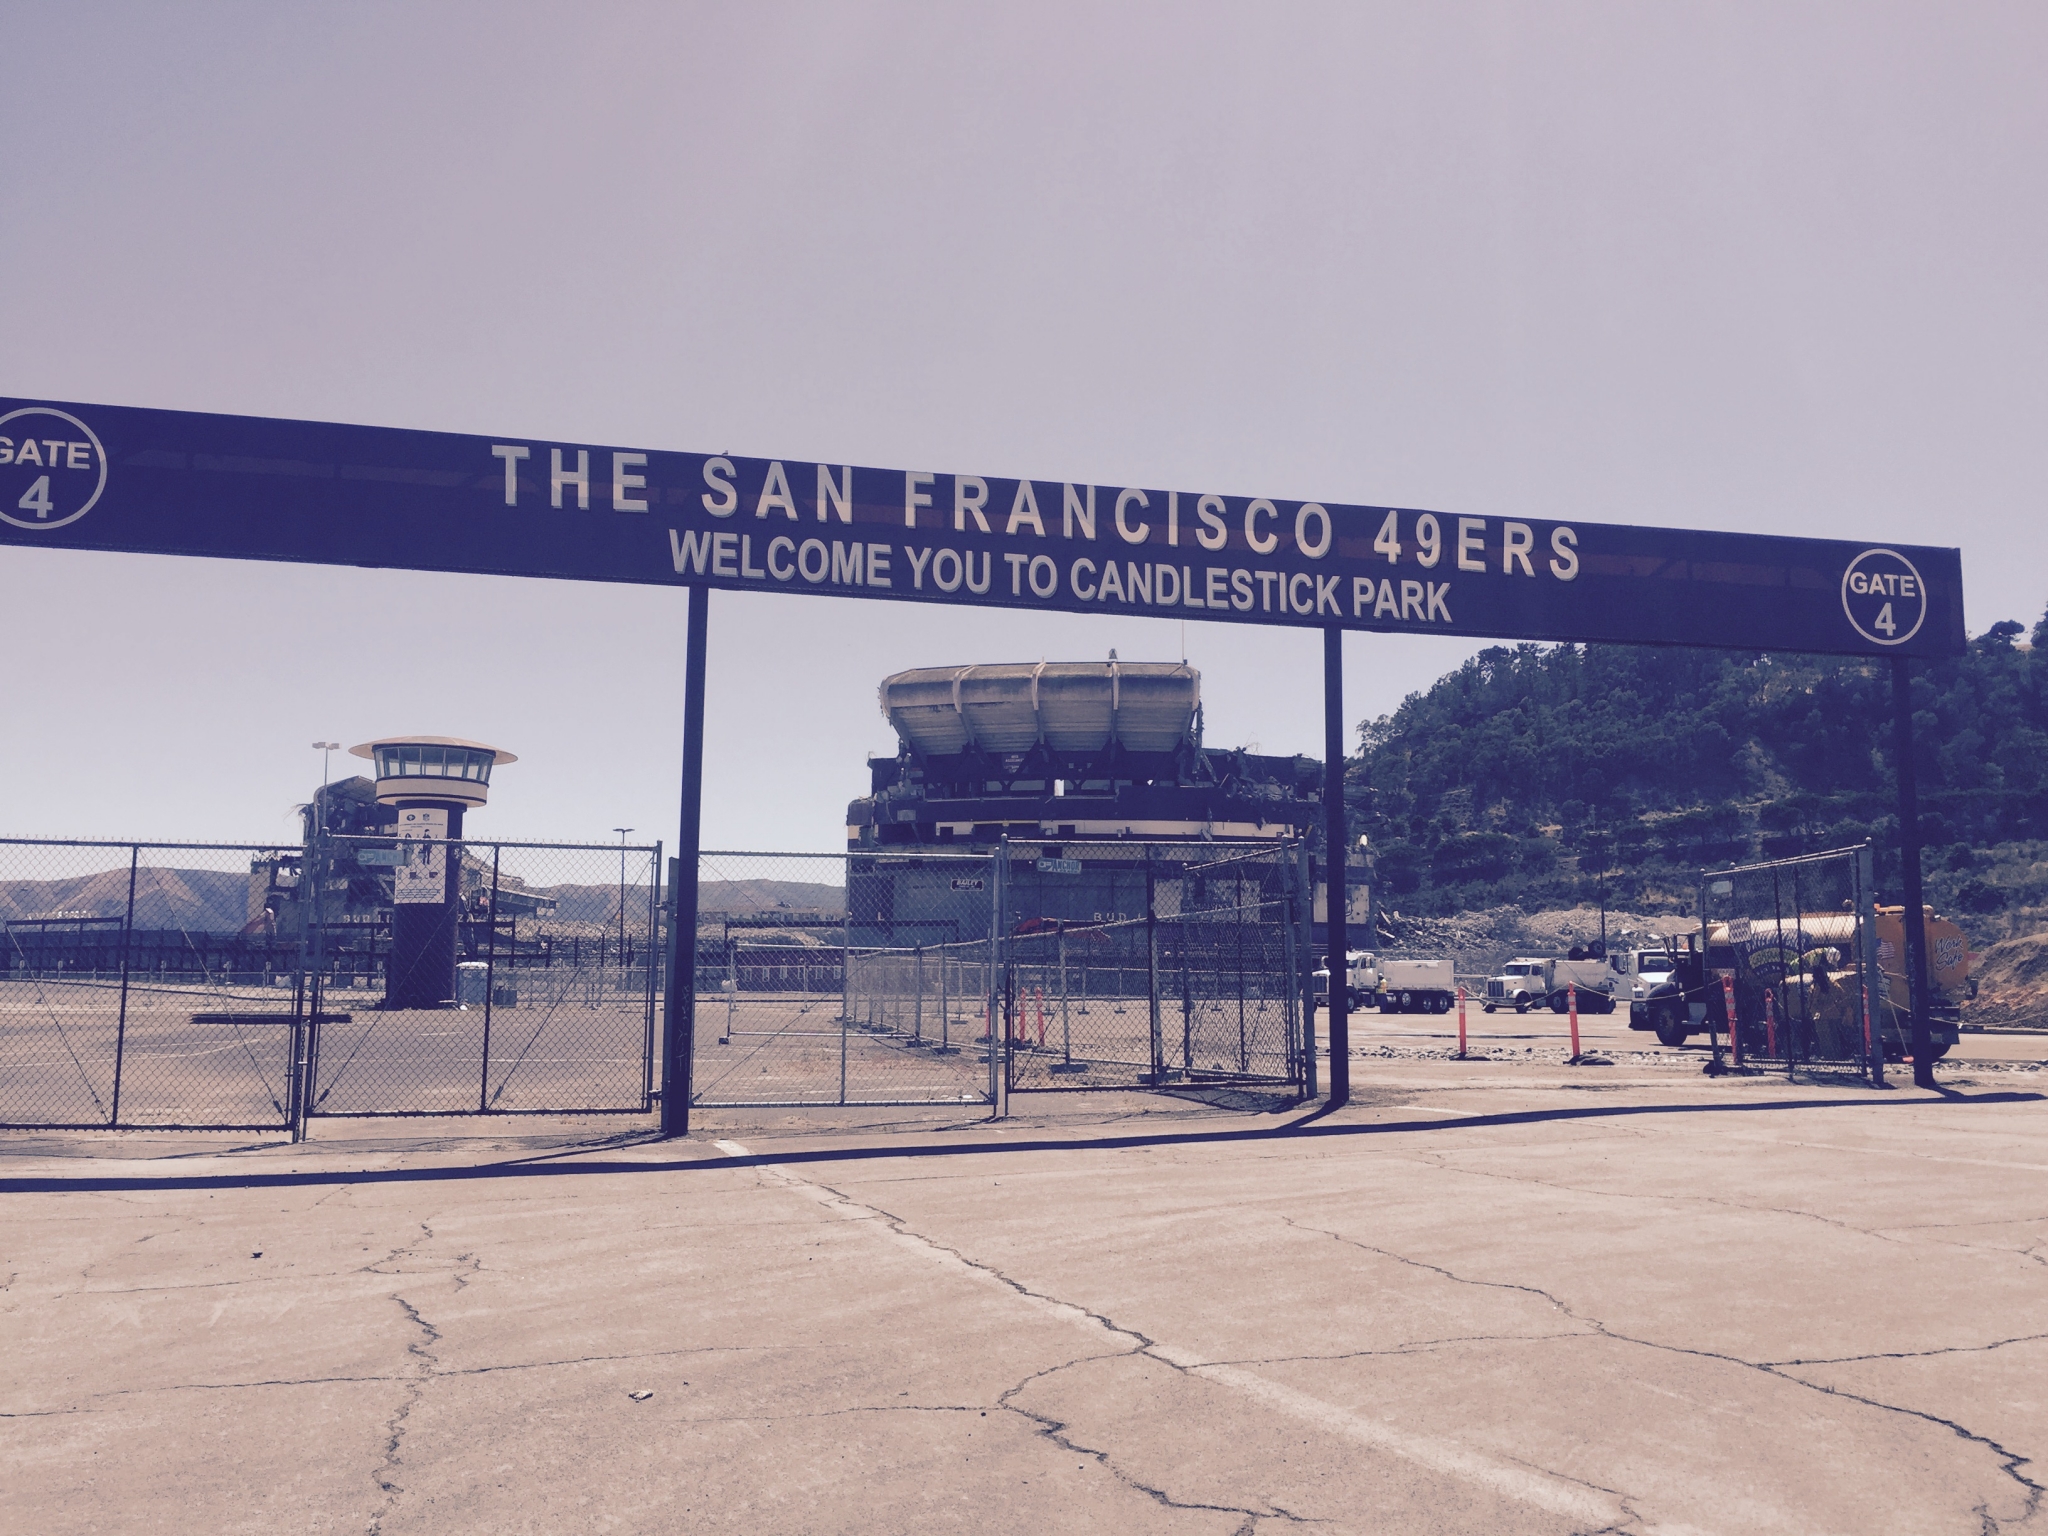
x=422 y=872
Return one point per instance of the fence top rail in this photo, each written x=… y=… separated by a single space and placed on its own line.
x=143 y=843
x=922 y=855
x=1244 y=856
x=493 y=842
x=1766 y=865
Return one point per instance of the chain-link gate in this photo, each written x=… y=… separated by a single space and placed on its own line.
x=1202 y=983
x=545 y=967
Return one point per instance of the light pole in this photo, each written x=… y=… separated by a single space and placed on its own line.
x=324 y=748
x=622 y=831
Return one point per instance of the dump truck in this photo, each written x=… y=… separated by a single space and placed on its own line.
x=1416 y=986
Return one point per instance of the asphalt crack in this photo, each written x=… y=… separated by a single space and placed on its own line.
x=1055 y=1430
x=2010 y=1462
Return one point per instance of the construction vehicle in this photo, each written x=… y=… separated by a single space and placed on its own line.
x=1594 y=980
x=1363 y=980
x=1519 y=983
x=1525 y=982
x=1416 y=986
x=1807 y=968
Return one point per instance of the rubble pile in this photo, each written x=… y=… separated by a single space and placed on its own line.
x=1479 y=942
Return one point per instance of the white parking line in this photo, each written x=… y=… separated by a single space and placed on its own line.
x=1572 y=1501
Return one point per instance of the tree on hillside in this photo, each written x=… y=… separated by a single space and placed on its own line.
x=1536 y=773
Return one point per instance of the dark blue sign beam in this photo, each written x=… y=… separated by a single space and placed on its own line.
x=253 y=488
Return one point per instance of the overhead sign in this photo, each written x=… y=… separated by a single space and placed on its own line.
x=254 y=488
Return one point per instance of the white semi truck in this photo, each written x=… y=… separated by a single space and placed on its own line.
x=1528 y=982
x=1363 y=980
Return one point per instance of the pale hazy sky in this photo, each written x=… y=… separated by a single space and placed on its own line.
x=1762 y=267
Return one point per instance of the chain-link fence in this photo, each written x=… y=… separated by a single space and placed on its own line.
x=137 y=986
x=474 y=977
x=1802 y=965
x=1203 y=984
x=251 y=985
x=844 y=979
x=248 y=985
x=934 y=977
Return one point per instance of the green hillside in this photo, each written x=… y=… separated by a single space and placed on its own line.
x=1540 y=775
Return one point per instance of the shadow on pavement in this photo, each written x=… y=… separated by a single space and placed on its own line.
x=1306 y=1127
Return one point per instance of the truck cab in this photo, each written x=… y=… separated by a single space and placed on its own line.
x=1519 y=984
x=1644 y=970
x=1363 y=980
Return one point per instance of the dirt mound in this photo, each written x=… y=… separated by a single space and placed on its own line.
x=2012 y=982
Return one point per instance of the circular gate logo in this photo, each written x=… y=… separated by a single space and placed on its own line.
x=1884 y=597
x=52 y=468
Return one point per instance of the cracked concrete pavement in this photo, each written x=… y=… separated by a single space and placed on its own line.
x=1498 y=1297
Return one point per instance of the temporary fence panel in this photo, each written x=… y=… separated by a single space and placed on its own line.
x=548 y=971
x=844 y=979
x=144 y=985
x=1202 y=984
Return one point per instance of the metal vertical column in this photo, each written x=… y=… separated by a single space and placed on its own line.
x=1158 y=1075
x=483 y=1087
x=1868 y=977
x=654 y=963
x=1305 y=963
x=1915 y=914
x=998 y=1012
x=121 y=1024
x=1334 y=854
x=679 y=1014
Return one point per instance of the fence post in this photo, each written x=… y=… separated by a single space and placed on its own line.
x=657 y=958
x=1066 y=1021
x=1152 y=969
x=998 y=1067
x=483 y=1087
x=1187 y=999
x=1290 y=990
x=1305 y=888
x=1867 y=973
x=121 y=1023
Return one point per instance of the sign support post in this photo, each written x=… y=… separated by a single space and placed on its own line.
x=679 y=1013
x=1334 y=853
x=1915 y=912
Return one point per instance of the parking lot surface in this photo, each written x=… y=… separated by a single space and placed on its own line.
x=1491 y=1295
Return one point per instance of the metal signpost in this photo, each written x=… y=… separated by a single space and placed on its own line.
x=118 y=478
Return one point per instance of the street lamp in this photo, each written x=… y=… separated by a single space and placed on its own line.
x=622 y=831
x=323 y=748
